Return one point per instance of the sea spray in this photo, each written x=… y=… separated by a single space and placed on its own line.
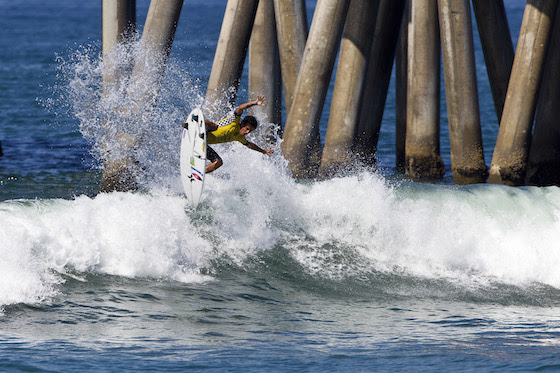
x=111 y=115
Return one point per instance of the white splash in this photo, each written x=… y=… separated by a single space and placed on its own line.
x=334 y=228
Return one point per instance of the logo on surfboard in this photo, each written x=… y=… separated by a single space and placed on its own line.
x=196 y=173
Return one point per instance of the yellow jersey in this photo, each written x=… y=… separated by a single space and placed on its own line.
x=228 y=131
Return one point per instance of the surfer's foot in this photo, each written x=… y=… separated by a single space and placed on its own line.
x=185 y=124
x=214 y=165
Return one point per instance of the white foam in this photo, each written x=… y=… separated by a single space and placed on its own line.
x=334 y=228
x=125 y=234
x=346 y=226
x=468 y=235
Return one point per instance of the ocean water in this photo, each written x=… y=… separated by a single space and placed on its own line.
x=367 y=272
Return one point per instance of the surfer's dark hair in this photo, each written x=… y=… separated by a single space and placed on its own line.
x=249 y=120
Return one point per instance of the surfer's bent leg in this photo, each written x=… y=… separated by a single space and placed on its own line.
x=215 y=160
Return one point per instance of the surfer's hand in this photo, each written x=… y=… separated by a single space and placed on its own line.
x=260 y=101
x=269 y=151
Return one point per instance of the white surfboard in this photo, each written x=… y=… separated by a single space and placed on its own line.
x=193 y=156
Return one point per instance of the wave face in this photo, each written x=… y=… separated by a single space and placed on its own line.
x=356 y=233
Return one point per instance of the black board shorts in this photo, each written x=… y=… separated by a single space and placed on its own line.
x=211 y=154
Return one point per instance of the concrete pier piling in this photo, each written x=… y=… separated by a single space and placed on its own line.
x=284 y=53
x=509 y=162
x=388 y=24
x=349 y=86
x=497 y=47
x=423 y=160
x=264 y=69
x=118 y=23
x=230 y=55
x=401 y=80
x=301 y=131
x=544 y=156
x=467 y=155
x=120 y=168
x=292 y=30
x=157 y=39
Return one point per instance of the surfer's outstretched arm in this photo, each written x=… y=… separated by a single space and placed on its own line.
x=259 y=101
x=254 y=146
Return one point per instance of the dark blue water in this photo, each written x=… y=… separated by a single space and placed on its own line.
x=268 y=274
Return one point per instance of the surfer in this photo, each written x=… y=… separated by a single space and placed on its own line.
x=232 y=128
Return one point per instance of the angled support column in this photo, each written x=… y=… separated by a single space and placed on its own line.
x=509 y=162
x=467 y=154
x=349 y=86
x=497 y=47
x=157 y=39
x=229 y=58
x=118 y=24
x=292 y=30
x=264 y=70
x=544 y=157
x=388 y=24
x=401 y=77
x=301 y=132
